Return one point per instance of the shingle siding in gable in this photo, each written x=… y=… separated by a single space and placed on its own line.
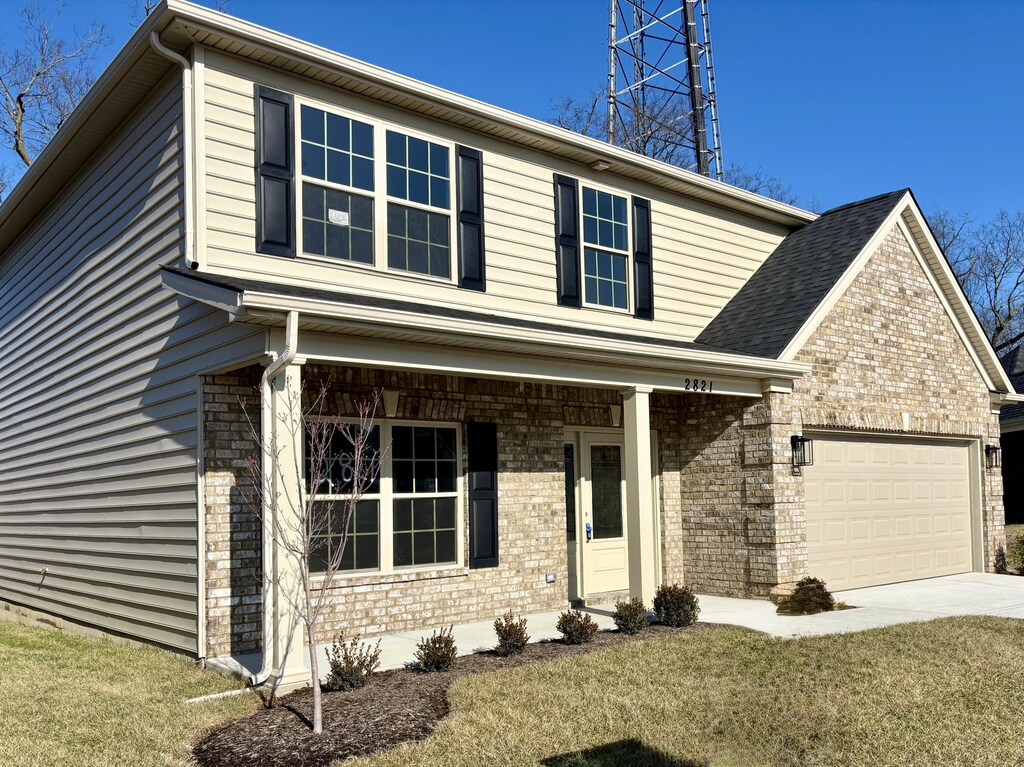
x=98 y=472
x=769 y=310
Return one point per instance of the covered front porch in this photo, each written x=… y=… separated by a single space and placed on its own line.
x=609 y=457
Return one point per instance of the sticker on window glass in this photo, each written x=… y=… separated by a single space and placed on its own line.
x=338 y=217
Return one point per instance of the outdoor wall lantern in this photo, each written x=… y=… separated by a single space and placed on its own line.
x=993 y=456
x=803 y=450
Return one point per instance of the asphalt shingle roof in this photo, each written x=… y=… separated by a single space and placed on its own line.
x=769 y=310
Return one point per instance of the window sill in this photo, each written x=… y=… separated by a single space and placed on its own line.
x=397 y=576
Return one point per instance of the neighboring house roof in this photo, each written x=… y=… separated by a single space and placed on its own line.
x=776 y=302
x=1013 y=364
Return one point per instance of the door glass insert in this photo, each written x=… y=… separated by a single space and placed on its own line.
x=606 y=484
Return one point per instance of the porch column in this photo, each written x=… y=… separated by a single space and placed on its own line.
x=287 y=436
x=640 y=522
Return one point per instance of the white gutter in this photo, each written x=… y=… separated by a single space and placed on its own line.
x=189 y=142
x=286 y=357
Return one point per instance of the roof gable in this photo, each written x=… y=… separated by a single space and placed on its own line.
x=778 y=299
x=782 y=303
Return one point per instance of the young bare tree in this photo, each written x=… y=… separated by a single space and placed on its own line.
x=342 y=461
x=663 y=132
x=42 y=79
x=988 y=260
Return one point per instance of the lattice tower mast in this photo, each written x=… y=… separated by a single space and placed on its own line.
x=661 y=83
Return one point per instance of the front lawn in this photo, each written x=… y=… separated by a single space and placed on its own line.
x=70 y=701
x=947 y=692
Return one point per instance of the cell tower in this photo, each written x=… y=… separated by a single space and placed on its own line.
x=661 y=82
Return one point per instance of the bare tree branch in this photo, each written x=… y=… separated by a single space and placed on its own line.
x=6 y=181
x=758 y=181
x=664 y=132
x=42 y=80
x=988 y=260
x=340 y=461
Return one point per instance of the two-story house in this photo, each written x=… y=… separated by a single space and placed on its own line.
x=600 y=372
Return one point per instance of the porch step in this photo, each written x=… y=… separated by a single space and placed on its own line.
x=604 y=598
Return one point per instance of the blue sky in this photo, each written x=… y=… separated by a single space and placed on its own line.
x=842 y=98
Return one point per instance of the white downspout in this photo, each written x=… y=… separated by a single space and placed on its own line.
x=189 y=142
x=286 y=357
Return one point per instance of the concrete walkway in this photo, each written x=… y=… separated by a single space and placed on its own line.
x=967 y=594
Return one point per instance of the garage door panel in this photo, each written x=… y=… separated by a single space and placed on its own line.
x=881 y=511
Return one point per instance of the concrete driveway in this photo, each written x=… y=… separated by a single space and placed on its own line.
x=878 y=606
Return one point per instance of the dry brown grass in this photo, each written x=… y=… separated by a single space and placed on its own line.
x=947 y=692
x=74 y=701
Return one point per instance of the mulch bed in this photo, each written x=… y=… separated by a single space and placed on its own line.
x=394 y=707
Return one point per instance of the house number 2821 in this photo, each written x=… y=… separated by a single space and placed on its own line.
x=698 y=384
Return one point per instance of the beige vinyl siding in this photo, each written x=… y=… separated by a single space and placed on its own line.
x=98 y=479
x=702 y=254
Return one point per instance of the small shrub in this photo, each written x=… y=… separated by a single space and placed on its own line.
x=438 y=652
x=630 y=617
x=512 y=636
x=576 y=627
x=810 y=596
x=999 y=565
x=352 y=663
x=676 y=605
x=1015 y=553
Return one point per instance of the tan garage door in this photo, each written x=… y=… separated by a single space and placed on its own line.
x=885 y=510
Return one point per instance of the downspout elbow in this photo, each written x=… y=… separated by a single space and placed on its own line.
x=270 y=373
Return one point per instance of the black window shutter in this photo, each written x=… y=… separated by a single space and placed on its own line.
x=469 y=192
x=483 y=494
x=643 y=265
x=275 y=173
x=567 y=240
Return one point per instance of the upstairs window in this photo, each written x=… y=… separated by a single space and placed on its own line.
x=419 y=227
x=337 y=221
x=605 y=249
x=337 y=149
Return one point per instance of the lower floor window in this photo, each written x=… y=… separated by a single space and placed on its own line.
x=410 y=517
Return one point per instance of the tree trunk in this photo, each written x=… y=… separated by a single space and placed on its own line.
x=314 y=673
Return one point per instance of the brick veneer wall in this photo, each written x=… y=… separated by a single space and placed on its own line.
x=531 y=421
x=732 y=514
x=886 y=359
x=231 y=419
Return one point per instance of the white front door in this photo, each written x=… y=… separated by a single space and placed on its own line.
x=603 y=534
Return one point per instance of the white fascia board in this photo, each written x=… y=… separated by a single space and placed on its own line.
x=448 y=330
x=966 y=315
x=280 y=45
x=356 y=351
x=928 y=266
x=977 y=351
x=831 y=298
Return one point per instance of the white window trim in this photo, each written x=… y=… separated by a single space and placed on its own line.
x=385 y=523
x=379 y=195
x=628 y=253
